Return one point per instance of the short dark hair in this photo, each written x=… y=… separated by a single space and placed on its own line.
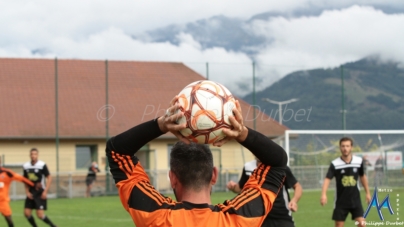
x=33 y=149
x=343 y=139
x=192 y=164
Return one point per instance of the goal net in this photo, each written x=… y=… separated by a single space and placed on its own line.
x=311 y=152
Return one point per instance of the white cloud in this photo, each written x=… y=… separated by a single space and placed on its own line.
x=115 y=44
x=102 y=30
x=333 y=38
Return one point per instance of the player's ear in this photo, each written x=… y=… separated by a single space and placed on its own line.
x=173 y=179
x=215 y=173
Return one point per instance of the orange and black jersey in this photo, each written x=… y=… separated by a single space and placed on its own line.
x=148 y=207
x=6 y=177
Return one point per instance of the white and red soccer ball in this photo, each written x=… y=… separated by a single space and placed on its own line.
x=207 y=106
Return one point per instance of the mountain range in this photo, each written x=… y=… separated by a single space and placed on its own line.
x=373 y=97
x=234 y=34
x=373 y=89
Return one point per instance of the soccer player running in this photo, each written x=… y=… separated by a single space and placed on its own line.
x=192 y=176
x=6 y=177
x=281 y=213
x=91 y=177
x=346 y=170
x=36 y=171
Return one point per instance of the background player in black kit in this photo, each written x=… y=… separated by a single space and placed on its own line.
x=91 y=177
x=36 y=171
x=281 y=213
x=346 y=169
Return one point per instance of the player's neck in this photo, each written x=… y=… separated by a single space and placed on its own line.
x=34 y=162
x=200 y=197
x=347 y=158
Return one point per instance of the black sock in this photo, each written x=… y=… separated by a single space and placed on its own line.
x=47 y=221
x=9 y=221
x=31 y=220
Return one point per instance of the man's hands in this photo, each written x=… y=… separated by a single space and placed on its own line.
x=323 y=200
x=239 y=131
x=368 y=198
x=44 y=194
x=29 y=195
x=233 y=186
x=168 y=123
x=293 y=206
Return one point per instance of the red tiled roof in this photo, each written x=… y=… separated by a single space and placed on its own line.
x=137 y=92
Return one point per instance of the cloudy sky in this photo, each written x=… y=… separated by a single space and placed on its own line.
x=339 y=32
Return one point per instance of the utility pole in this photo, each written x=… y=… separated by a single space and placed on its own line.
x=280 y=105
x=343 y=111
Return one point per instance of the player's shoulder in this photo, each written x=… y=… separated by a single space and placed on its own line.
x=287 y=170
x=40 y=163
x=6 y=170
x=26 y=165
x=338 y=161
x=356 y=159
x=250 y=166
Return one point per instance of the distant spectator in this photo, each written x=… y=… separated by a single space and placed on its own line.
x=91 y=177
x=366 y=162
x=379 y=171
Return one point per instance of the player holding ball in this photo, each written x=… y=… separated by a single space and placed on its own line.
x=192 y=176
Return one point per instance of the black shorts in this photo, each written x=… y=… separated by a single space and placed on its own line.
x=270 y=222
x=35 y=204
x=340 y=214
x=89 y=180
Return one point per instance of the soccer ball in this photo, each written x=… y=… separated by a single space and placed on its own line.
x=207 y=106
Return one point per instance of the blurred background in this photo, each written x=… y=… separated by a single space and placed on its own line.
x=68 y=83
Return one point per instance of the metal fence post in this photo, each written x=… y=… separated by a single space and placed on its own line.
x=70 y=185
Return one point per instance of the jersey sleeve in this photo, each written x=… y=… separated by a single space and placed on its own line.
x=330 y=172
x=45 y=170
x=24 y=172
x=22 y=179
x=134 y=185
x=259 y=193
x=17 y=177
x=266 y=150
x=130 y=178
x=361 y=169
x=264 y=184
x=290 y=179
x=243 y=179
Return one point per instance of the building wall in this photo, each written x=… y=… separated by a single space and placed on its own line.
x=232 y=154
x=161 y=149
x=16 y=152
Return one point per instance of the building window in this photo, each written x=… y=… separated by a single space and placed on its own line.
x=85 y=155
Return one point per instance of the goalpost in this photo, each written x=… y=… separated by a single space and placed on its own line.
x=310 y=153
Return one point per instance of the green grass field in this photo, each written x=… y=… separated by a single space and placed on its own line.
x=107 y=211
